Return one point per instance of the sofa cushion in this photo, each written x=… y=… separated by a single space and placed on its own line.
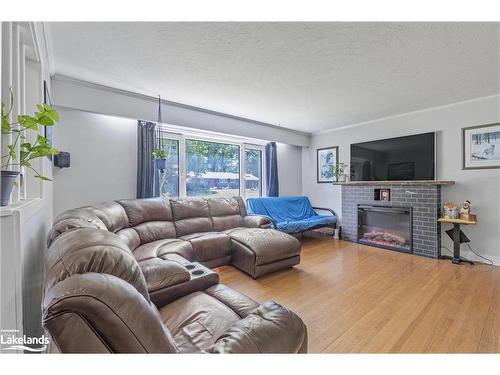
x=149 y=209
x=72 y=219
x=251 y=335
x=209 y=245
x=239 y=303
x=151 y=218
x=268 y=245
x=191 y=216
x=90 y=250
x=111 y=214
x=154 y=231
x=197 y=320
x=225 y=213
x=130 y=236
x=161 y=249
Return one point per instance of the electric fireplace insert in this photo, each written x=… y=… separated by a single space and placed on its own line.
x=385 y=227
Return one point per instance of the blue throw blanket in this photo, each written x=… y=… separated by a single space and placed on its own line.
x=289 y=214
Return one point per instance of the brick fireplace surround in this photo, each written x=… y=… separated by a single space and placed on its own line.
x=424 y=197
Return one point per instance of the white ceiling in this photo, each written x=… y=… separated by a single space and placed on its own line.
x=303 y=76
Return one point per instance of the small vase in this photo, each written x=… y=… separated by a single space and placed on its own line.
x=8 y=178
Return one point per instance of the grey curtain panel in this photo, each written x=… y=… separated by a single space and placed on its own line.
x=147 y=179
x=272 y=187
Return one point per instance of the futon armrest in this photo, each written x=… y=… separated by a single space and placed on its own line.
x=270 y=328
x=258 y=221
x=325 y=209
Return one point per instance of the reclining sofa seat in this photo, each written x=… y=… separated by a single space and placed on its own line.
x=96 y=300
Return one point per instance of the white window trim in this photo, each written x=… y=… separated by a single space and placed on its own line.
x=243 y=144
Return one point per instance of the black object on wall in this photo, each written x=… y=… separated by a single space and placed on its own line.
x=272 y=188
x=62 y=159
x=395 y=159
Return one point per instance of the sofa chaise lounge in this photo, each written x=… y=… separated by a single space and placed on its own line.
x=132 y=276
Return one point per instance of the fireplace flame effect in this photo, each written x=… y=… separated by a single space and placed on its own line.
x=384 y=239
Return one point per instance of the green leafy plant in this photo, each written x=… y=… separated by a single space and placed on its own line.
x=44 y=116
x=339 y=169
x=159 y=154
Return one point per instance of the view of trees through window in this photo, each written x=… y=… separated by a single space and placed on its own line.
x=253 y=173
x=212 y=169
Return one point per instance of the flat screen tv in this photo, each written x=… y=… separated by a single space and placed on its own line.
x=406 y=158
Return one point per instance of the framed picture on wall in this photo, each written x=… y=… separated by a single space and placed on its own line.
x=326 y=158
x=481 y=147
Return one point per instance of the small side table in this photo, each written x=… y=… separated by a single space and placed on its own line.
x=456 y=258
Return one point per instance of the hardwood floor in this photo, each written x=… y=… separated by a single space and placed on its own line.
x=355 y=298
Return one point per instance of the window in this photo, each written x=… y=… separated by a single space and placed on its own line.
x=253 y=173
x=169 y=178
x=201 y=166
x=212 y=169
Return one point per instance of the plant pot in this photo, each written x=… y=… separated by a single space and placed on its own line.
x=8 y=178
x=342 y=178
x=161 y=164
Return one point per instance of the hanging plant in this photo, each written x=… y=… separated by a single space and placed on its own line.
x=160 y=157
x=13 y=161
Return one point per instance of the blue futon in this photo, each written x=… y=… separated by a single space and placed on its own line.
x=291 y=214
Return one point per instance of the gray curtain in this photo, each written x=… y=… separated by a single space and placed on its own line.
x=147 y=178
x=272 y=187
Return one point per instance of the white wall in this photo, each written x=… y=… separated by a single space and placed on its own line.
x=103 y=159
x=86 y=96
x=481 y=187
x=104 y=155
x=289 y=169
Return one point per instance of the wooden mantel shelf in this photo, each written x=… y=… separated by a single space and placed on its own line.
x=402 y=183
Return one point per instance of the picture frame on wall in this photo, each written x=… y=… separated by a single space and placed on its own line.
x=326 y=158
x=481 y=147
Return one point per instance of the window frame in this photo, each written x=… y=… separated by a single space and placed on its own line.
x=242 y=143
x=249 y=146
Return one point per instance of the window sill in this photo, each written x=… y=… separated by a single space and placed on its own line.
x=28 y=204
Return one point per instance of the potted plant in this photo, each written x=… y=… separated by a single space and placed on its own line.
x=160 y=159
x=12 y=161
x=338 y=170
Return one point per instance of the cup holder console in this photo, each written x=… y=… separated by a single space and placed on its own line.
x=198 y=272
x=190 y=266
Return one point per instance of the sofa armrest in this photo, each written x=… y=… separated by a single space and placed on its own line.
x=179 y=280
x=258 y=221
x=271 y=328
x=325 y=209
x=161 y=273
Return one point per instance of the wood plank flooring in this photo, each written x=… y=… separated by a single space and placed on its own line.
x=360 y=299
